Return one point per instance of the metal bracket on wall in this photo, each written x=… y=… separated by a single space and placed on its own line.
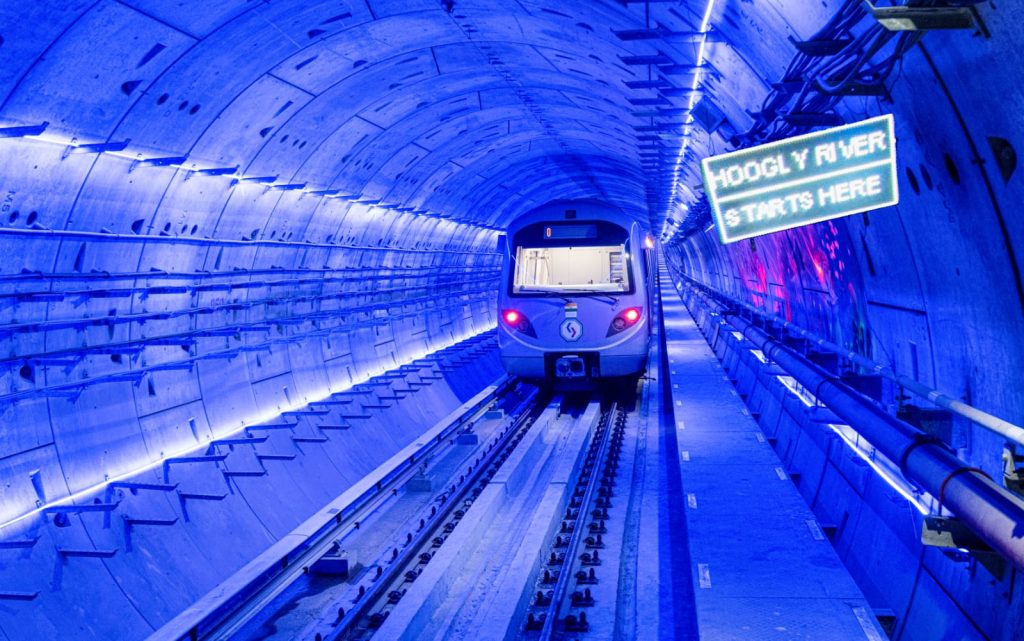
x=950 y=534
x=1013 y=470
x=214 y=171
x=165 y=161
x=168 y=462
x=130 y=523
x=183 y=497
x=94 y=148
x=22 y=131
x=944 y=17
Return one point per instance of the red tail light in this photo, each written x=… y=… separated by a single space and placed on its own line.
x=518 y=322
x=625 y=319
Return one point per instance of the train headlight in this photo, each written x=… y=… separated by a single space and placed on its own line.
x=517 y=321
x=625 y=319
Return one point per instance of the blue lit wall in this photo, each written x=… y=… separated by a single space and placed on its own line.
x=930 y=287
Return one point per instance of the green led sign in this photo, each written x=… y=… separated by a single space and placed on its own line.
x=803 y=180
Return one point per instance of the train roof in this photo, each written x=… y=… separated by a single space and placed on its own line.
x=557 y=210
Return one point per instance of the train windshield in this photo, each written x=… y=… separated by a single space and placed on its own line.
x=571 y=269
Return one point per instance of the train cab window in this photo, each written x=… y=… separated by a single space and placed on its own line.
x=576 y=259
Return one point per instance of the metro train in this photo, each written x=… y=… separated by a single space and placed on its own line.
x=576 y=294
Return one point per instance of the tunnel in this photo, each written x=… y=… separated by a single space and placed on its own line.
x=250 y=310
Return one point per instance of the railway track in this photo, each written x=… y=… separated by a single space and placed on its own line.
x=519 y=546
x=513 y=541
x=565 y=587
x=264 y=594
x=398 y=568
x=472 y=584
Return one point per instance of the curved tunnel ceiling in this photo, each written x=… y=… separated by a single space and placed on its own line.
x=475 y=110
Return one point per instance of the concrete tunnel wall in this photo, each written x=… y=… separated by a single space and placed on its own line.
x=930 y=287
x=380 y=146
x=152 y=309
x=121 y=574
x=161 y=252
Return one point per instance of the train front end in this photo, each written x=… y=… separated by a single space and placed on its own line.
x=574 y=303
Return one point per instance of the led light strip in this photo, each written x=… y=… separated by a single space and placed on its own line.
x=705 y=26
x=871 y=456
x=239 y=178
x=865 y=450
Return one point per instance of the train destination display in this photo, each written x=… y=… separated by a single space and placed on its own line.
x=802 y=180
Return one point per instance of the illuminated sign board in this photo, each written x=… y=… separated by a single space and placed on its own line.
x=803 y=180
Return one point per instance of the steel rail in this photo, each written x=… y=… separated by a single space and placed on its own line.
x=551 y=615
x=245 y=602
x=397 y=568
x=300 y=565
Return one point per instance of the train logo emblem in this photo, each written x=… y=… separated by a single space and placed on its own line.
x=571 y=329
